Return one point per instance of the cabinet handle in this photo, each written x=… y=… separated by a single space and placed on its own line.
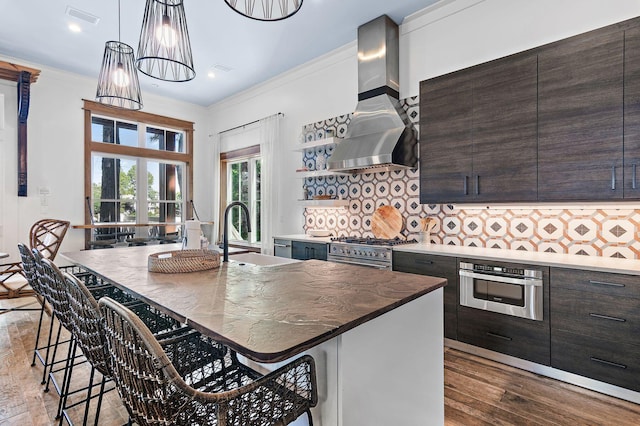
x=281 y=245
x=633 y=181
x=605 y=283
x=477 y=184
x=423 y=262
x=613 y=178
x=607 y=317
x=610 y=363
x=499 y=336
x=466 y=185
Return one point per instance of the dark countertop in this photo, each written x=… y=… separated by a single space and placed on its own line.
x=267 y=313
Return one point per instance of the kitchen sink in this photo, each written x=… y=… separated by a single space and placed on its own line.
x=259 y=259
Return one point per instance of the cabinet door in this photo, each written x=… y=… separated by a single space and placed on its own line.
x=505 y=145
x=632 y=114
x=509 y=335
x=435 y=266
x=580 y=92
x=445 y=139
x=306 y=251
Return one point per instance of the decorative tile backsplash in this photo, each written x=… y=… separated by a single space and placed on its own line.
x=607 y=232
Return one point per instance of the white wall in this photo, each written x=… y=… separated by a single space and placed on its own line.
x=448 y=36
x=55 y=152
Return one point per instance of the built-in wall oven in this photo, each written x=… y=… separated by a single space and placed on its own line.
x=507 y=290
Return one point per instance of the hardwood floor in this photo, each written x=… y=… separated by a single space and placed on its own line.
x=482 y=392
x=477 y=391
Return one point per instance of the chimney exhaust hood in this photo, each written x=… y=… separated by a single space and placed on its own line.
x=380 y=136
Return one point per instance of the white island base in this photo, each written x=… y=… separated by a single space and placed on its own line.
x=387 y=371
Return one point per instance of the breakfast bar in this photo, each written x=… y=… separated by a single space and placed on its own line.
x=376 y=336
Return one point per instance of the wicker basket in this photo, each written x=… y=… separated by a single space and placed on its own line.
x=180 y=261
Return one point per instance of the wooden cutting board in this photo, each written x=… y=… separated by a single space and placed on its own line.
x=386 y=222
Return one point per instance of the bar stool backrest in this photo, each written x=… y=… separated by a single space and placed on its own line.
x=46 y=235
x=29 y=268
x=51 y=278
x=88 y=323
x=155 y=393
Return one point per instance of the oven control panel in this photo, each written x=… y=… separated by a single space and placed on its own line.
x=499 y=269
x=489 y=269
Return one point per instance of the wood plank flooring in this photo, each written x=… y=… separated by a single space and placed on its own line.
x=477 y=391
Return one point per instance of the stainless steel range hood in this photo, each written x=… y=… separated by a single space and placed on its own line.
x=380 y=136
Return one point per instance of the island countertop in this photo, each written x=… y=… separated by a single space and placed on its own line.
x=267 y=313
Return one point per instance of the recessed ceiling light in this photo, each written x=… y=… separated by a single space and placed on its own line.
x=75 y=28
x=211 y=74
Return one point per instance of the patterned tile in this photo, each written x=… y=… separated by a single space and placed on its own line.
x=582 y=230
x=608 y=232
x=618 y=252
x=618 y=231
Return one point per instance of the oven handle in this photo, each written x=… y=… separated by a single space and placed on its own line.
x=507 y=280
x=351 y=262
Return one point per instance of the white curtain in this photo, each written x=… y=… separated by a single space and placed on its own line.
x=269 y=136
x=216 y=188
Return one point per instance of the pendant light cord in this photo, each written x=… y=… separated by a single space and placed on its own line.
x=119 y=41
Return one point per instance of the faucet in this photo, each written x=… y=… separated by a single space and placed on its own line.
x=225 y=236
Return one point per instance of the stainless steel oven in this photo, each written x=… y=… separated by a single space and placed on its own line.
x=359 y=254
x=506 y=290
x=364 y=251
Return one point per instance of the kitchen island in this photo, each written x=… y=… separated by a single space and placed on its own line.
x=376 y=335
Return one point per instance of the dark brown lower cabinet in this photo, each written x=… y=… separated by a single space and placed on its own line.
x=518 y=337
x=614 y=362
x=305 y=251
x=595 y=325
x=436 y=266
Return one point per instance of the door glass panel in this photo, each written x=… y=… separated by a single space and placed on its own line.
x=511 y=294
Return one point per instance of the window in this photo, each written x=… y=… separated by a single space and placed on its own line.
x=138 y=168
x=242 y=170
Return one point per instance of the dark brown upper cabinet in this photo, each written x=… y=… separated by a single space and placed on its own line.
x=632 y=114
x=478 y=133
x=580 y=117
x=445 y=138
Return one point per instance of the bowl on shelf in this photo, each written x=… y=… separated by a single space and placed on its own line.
x=319 y=232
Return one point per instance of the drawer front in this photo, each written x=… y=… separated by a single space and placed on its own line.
x=600 y=283
x=610 y=362
x=513 y=336
x=306 y=251
x=436 y=266
x=602 y=316
x=424 y=264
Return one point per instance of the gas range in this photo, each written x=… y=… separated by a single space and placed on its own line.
x=374 y=252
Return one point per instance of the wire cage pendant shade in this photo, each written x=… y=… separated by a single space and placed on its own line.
x=164 y=49
x=268 y=11
x=118 y=80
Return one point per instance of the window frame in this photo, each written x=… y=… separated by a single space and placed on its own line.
x=92 y=108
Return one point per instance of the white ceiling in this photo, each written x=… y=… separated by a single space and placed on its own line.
x=37 y=31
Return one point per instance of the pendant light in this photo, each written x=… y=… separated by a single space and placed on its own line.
x=118 y=80
x=285 y=9
x=164 y=50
